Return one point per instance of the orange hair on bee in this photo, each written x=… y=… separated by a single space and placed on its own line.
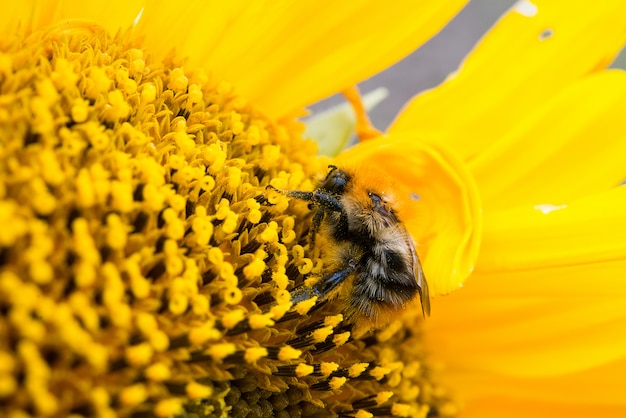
x=366 y=180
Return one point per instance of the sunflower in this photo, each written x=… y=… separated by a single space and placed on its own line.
x=145 y=266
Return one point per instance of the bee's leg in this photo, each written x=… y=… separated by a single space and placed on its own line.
x=302 y=293
x=329 y=203
x=329 y=283
x=324 y=286
x=326 y=202
x=315 y=226
x=298 y=194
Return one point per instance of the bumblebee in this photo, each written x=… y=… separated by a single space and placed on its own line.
x=374 y=267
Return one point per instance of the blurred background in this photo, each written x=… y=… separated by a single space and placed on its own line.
x=429 y=65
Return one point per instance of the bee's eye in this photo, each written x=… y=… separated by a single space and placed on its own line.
x=380 y=205
x=376 y=200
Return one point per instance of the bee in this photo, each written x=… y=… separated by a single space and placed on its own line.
x=374 y=267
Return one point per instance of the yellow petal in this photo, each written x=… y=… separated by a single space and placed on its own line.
x=588 y=230
x=527 y=336
x=497 y=407
x=572 y=146
x=439 y=203
x=540 y=350
x=599 y=279
x=542 y=313
x=32 y=15
x=530 y=320
x=286 y=54
x=16 y=18
x=597 y=392
x=525 y=59
x=282 y=55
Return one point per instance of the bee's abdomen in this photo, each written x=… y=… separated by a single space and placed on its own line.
x=371 y=295
x=386 y=278
x=394 y=260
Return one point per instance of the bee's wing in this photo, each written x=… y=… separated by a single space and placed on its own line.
x=419 y=277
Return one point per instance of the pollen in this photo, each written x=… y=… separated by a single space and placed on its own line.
x=383 y=397
x=281 y=279
x=133 y=395
x=158 y=372
x=303 y=307
x=270 y=234
x=401 y=410
x=337 y=382
x=289 y=353
x=220 y=351
x=341 y=339
x=146 y=268
x=232 y=318
x=197 y=391
x=380 y=372
x=356 y=369
x=255 y=353
x=203 y=333
x=139 y=355
x=260 y=321
x=333 y=320
x=283 y=306
x=327 y=368
x=8 y=385
x=168 y=407
x=319 y=335
x=254 y=269
x=304 y=370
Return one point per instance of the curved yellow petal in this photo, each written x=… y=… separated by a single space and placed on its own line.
x=585 y=231
x=439 y=203
x=573 y=145
x=32 y=15
x=525 y=59
x=332 y=129
x=283 y=55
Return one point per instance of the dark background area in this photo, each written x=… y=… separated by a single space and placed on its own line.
x=429 y=65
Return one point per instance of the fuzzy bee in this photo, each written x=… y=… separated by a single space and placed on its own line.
x=374 y=268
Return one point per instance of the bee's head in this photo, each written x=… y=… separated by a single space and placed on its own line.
x=336 y=181
x=381 y=208
x=369 y=209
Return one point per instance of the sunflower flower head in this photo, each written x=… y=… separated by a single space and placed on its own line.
x=145 y=266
